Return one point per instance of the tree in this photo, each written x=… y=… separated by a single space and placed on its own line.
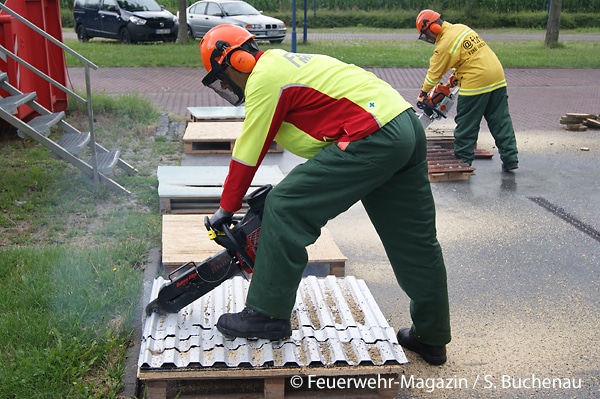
x=182 y=34
x=553 y=24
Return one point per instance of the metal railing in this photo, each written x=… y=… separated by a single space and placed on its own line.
x=87 y=64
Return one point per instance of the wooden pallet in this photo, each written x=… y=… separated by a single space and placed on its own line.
x=271 y=383
x=215 y=138
x=198 y=189
x=441 y=141
x=444 y=166
x=577 y=122
x=198 y=114
x=184 y=239
x=447 y=142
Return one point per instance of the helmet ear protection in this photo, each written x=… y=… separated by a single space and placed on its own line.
x=435 y=28
x=238 y=58
x=241 y=60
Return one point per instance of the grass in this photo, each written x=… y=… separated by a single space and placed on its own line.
x=382 y=53
x=67 y=316
x=72 y=255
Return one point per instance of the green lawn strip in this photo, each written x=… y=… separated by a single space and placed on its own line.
x=67 y=319
x=71 y=256
x=381 y=53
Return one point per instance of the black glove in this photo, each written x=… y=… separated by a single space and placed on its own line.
x=219 y=218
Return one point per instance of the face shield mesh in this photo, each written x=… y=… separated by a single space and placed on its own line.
x=423 y=36
x=220 y=83
x=225 y=88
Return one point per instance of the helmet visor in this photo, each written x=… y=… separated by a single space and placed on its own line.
x=221 y=84
x=427 y=38
x=225 y=88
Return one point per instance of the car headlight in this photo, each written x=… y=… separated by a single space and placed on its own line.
x=137 y=20
x=253 y=26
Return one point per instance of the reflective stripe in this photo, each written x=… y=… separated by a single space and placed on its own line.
x=459 y=40
x=481 y=90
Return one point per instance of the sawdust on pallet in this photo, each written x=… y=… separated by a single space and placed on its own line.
x=324 y=350
x=375 y=354
x=350 y=353
x=333 y=308
x=312 y=312
x=357 y=313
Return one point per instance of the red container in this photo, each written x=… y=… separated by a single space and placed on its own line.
x=36 y=50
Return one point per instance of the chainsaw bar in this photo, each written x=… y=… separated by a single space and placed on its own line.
x=193 y=281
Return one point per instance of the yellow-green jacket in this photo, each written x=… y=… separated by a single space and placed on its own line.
x=460 y=48
x=305 y=102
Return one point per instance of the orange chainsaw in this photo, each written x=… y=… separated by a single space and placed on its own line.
x=438 y=102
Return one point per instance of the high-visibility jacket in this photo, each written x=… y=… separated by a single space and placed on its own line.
x=460 y=48
x=304 y=102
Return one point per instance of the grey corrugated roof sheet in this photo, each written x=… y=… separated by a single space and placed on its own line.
x=335 y=321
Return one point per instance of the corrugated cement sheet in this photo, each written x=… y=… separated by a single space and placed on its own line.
x=335 y=321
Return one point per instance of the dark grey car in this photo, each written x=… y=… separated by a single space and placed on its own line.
x=129 y=21
x=205 y=14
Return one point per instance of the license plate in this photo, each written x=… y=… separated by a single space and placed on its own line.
x=163 y=31
x=272 y=33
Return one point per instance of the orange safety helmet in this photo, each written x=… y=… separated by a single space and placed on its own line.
x=226 y=46
x=227 y=39
x=428 y=20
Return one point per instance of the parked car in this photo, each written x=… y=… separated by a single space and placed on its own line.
x=129 y=21
x=205 y=14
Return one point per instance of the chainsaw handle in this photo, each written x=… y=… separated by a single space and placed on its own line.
x=187 y=265
x=239 y=250
x=434 y=99
x=429 y=110
x=226 y=239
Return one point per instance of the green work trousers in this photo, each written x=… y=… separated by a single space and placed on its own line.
x=387 y=171
x=492 y=106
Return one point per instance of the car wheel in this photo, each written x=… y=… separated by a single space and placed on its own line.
x=82 y=34
x=190 y=33
x=125 y=36
x=276 y=41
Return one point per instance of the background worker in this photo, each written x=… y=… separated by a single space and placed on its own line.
x=478 y=72
x=363 y=142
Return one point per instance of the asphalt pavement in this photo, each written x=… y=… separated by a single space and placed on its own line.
x=522 y=250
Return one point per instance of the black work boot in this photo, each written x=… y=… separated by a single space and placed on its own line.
x=432 y=354
x=507 y=167
x=251 y=324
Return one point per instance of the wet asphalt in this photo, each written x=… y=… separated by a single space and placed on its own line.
x=522 y=250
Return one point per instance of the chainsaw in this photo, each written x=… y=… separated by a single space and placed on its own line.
x=240 y=240
x=438 y=102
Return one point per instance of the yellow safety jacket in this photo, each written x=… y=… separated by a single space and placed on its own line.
x=460 y=48
x=305 y=102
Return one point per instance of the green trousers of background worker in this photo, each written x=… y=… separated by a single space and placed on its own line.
x=387 y=171
x=492 y=106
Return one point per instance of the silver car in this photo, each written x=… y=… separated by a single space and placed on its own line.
x=205 y=14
